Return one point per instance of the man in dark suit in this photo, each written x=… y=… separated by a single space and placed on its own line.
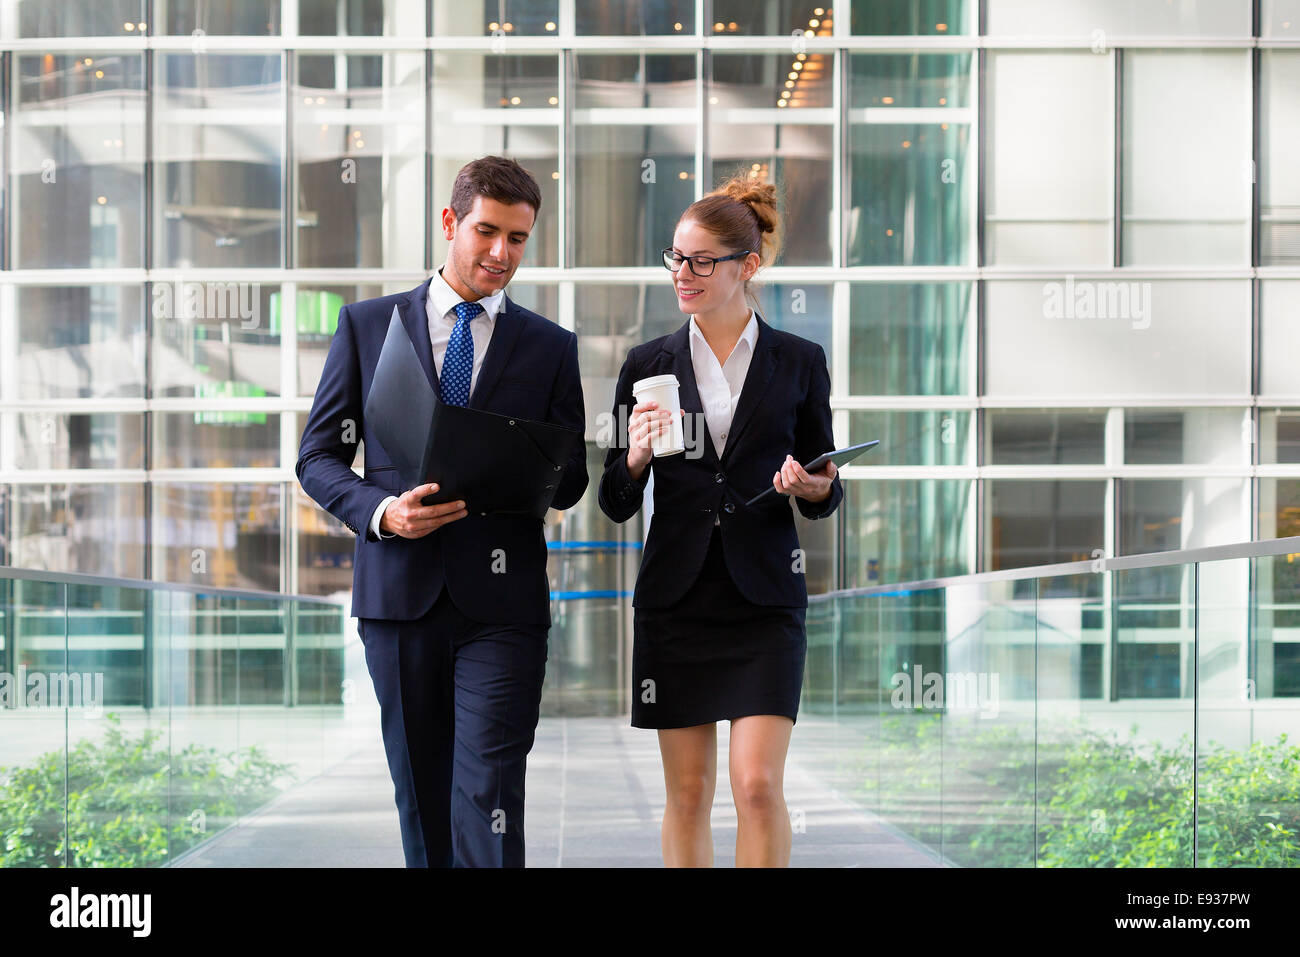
x=453 y=609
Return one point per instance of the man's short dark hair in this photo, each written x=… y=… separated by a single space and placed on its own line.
x=496 y=177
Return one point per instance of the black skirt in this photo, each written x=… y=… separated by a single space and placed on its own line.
x=715 y=655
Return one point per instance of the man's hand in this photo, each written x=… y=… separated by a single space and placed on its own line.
x=408 y=518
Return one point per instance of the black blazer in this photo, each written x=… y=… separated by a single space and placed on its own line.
x=494 y=566
x=784 y=408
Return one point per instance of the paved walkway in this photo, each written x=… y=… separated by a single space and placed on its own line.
x=595 y=799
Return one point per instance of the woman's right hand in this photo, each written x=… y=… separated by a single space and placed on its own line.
x=647 y=421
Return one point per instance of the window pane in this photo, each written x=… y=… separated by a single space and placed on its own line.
x=1158 y=515
x=1085 y=337
x=1187 y=436
x=769 y=18
x=1279 y=439
x=801 y=308
x=1279 y=173
x=245 y=18
x=899 y=530
x=78 y=160
x=1046 y=437
x=1279 y=508
x=1195 y=18
x=317 y=320
x=361 y=18
x=633 y=17
x=763 y=80
x=911 y=338
x=216 y=438
x=80 y=342
x=1279 y=337
x=798 y=160
x=924 y=437
x=909 y=177
x=631 y=184
x=359 y=133
x=629 y=81
x=81 y=18
x=222 y=534
x=217 y=139
x=610 y=320
x=504 y=105
x=541 y=299
x=1276 y=668
x=68 y=440
x=325 y=548
x=1050 y=129
x=504 y=18
x=885 y=83
x=1280 y=18
x=1045 y=523
x=468 y=80
x=96 y=529
x=215 y=340
x=912 y=17
x=1186 y=157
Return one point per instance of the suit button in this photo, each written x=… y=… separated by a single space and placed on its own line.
x=719 y=478
x=729 y=508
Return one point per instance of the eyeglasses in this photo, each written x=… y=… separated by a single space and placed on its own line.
x=700 y=265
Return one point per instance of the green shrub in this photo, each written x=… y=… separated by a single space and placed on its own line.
x=129 y=802
x=1101 y=801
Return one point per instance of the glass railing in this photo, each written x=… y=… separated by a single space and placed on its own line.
x=139 y=719
x=1135 y=711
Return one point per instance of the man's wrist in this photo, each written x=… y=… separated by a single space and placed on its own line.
x=377 y=519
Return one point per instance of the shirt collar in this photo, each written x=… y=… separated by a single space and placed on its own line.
x=443 y=298
x=749 y=335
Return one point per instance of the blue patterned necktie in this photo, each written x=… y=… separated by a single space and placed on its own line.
x=458 y=362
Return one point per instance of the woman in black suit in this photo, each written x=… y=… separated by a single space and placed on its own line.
x=720 y=596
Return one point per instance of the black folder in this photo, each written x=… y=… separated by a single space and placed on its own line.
x=494 y=463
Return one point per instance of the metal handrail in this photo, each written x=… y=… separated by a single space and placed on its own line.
x=80 y=578
x=1210 y=553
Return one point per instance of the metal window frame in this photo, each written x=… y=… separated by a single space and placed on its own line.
x=839 y=277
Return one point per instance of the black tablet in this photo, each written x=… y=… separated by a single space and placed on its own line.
x=840 y=457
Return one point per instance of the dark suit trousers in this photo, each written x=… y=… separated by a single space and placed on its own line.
x=458 y=703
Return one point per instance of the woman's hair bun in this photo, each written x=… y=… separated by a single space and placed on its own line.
x=758 y=196
x=761 y=199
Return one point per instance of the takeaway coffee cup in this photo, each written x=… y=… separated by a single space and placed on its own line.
x=663 y=389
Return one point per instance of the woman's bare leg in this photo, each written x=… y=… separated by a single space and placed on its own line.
x=757 y=765
x=690 y=757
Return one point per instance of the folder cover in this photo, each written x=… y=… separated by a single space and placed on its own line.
x=494 y=463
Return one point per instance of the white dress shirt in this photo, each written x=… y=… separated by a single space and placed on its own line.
x=440 y=307
x=720 y=384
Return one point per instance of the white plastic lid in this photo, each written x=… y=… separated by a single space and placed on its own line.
x=654 y=382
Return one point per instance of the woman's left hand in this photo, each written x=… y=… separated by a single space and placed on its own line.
x=812 y=486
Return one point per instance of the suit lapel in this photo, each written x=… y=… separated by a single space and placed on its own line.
x=679 y=346
x=504 y=334
x=415 y=317
x=761 y=367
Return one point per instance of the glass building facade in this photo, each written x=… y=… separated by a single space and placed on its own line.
x=1052 y=251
